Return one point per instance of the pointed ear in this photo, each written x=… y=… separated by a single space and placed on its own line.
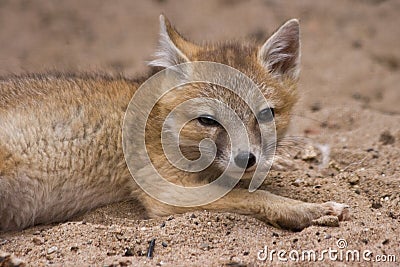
x=173 y=49
x=280 y=54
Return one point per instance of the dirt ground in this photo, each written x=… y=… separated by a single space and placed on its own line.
x=350 y=104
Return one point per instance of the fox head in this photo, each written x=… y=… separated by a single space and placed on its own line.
x=273 y=67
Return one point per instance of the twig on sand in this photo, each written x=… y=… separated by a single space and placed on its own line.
x=151 y=248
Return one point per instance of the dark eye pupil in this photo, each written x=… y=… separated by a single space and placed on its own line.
x=266 y=115
x=207 y=121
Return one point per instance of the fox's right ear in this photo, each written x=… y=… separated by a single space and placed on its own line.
x=280 y=54
x=173 y=49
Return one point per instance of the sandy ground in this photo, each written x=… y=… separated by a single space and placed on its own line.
x=350 y=103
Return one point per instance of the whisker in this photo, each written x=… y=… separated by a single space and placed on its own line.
x=288 y=146
x=305 y=117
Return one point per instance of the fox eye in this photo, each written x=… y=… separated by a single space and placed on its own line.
x=266 y=115
x=208 y=120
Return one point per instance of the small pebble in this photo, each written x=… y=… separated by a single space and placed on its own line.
x=327 y=236
x=204 y=246
x=230 y=217
x=356 y=44
x=52 y=250
x=376 y=205
x=164 y=244
x=119 y=237
x=111 y=253
x=354 y=179
x=297 y=182
x=37 y=240
x=141 y=253
x=308 y=153
x=387 y=138
x=316 y=106
x=128 y=252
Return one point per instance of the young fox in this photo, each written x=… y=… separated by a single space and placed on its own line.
x=61 y=149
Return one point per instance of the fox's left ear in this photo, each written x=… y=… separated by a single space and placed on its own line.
x=173 y=49
x=280 y=54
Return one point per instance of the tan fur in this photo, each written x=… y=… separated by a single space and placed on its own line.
x=61 y=141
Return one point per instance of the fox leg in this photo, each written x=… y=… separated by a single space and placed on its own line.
x=278 y=211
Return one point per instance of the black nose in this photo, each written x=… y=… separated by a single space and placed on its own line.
x=245 y=160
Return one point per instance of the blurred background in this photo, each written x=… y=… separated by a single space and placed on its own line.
x=350 y=48
x=350 y=107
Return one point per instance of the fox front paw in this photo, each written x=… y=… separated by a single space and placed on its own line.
x=341 y=211
x=299 y=216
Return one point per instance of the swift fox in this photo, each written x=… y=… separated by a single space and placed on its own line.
x=61 y=140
